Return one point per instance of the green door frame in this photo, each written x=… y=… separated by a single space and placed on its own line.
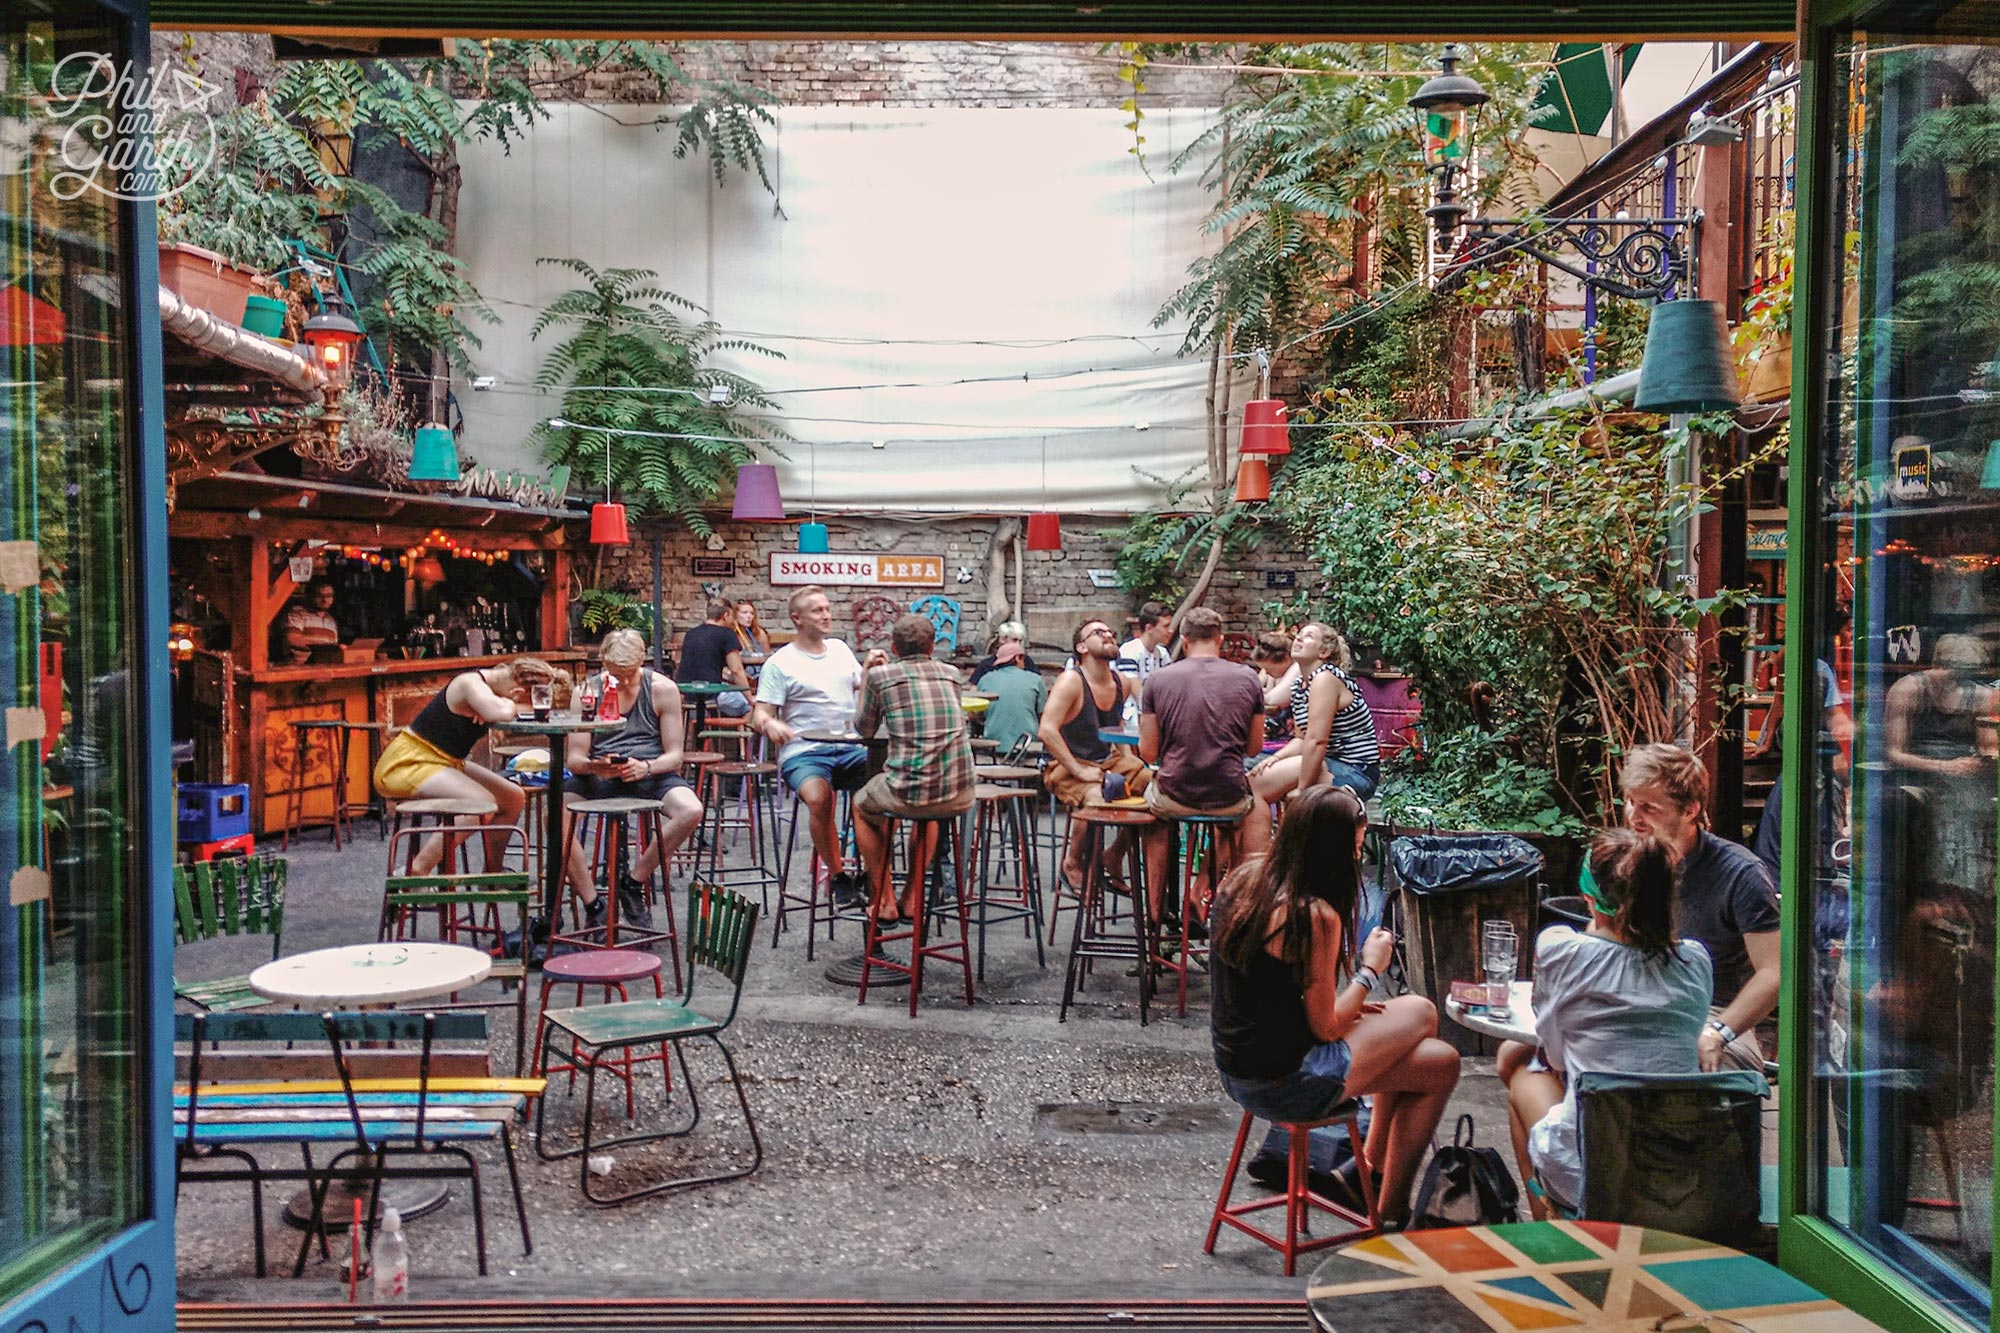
x=1809 y=1246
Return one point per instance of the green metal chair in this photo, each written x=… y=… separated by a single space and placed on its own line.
x=721 y=926
x=232 y=896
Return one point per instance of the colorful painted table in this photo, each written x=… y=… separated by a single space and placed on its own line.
x=1590 y=1276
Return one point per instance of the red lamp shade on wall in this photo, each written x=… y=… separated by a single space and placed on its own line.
x=608 y=526
x=27 y=320
x=1045 y=532
x=757 y=498
x=1264 y=429
x=1253 y=479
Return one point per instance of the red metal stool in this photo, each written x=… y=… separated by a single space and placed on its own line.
x=917 y=935
x=1298 y=1199
x=610 y=969
x=1003 y=840
x=1194 y=853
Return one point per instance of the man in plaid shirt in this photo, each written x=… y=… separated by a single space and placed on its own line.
x=929 y=769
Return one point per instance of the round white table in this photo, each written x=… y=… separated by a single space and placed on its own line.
x=359 y=975
x=1517 y=1024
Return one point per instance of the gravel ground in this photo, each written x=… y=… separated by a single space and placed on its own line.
x=982 y=1145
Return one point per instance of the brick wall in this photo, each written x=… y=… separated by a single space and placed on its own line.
x=1057 y=587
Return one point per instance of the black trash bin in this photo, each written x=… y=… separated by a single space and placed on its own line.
x=1450 y=884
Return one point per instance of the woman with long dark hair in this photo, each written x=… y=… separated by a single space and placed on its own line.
x=1294 y=1029
x=1620 y=995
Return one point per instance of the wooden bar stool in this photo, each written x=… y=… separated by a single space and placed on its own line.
x=333 y=733
x=441 y=815
x=817 y=901
x=694 y=767
x=1003 y=835
x=929 y=876
x=1193 y=843
x=1093 y=937
x=613 y=852
x=757 y=817
x=610 y=970
x=1299 y=1200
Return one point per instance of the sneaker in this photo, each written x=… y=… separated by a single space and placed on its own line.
x=632 y=904
x=593 y=912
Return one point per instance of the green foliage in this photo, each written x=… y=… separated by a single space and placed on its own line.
x=605 y=610
x=1312 y=170
x=1476 y=779
x=639 y=371
x=1531 y=560
x=1157 y=550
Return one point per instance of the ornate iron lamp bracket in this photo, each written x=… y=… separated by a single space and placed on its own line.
x=1644 y=258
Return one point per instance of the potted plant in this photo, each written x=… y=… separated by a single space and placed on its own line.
x=207 y=281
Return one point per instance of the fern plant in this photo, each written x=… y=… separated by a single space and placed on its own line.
x=605 y=609
x=639 y=377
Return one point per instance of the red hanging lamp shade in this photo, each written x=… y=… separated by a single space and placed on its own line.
x=608 y=526
x=1264 y=428
x=1045 y=532
x=1253 y=479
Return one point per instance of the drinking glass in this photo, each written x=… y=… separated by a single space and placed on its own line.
x=1500 y=951
x=541 y=698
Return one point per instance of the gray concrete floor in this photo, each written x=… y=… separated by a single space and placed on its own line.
x=991 y=1146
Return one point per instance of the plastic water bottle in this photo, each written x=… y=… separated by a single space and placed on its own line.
x=389 y=1260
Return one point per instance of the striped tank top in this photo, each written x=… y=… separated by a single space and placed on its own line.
x=1353 y=739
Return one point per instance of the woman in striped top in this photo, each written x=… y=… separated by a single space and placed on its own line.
x=1333 y=736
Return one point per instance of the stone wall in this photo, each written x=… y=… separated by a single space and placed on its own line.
x=1057 y=589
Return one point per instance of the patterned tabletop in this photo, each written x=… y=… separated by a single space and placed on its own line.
x=1562 y=1275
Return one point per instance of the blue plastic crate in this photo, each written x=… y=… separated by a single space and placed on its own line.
x=213 y=811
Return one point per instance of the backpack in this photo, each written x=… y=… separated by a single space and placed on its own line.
x=1465 y=1186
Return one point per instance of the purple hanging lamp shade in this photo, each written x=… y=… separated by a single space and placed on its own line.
x=757 y=498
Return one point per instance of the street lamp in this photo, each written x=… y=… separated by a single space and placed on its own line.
x=333 y=337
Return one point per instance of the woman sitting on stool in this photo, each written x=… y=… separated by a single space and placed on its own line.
x=1295 y=1033
x=1622 y=995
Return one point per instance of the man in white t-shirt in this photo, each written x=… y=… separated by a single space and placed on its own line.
x=809 y=686
x=1141 y=657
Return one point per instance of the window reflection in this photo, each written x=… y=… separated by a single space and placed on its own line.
x=75 y=1131
x=1903 y=905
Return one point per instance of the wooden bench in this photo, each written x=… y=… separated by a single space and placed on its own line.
x=303 y=1082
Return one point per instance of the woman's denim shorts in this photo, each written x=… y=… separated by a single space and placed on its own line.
x=1310 y=1093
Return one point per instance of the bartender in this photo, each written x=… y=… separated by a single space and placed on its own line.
x=310 y=625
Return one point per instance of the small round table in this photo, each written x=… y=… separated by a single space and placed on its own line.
x=359 y=976
x=1581 y=1277
x=1517 y=1024
x=699 y=692
x=1113 y=737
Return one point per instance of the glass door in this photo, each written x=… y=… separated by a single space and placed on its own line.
x=1891 y=861
x=85 y=1158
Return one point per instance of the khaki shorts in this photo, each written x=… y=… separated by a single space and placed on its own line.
x=877 y=801
x=1124 y=761
x=407 y=763
x=1162 y=804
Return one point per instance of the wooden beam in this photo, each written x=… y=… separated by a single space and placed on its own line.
x=555 y=602
x=219 y=525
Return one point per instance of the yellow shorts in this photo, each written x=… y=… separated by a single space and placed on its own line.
x=408 y=762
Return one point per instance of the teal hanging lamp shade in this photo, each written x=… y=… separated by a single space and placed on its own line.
x=435 y=457
x=812 y=539
x=1989 y=477
x=1688 y=366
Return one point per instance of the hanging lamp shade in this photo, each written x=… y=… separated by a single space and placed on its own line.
x=1044 y=532
x=1253 y=479
x=608 y=526
x=757 y=498
x=428 y=570
x=1264 y=428
x=28 y=321
x=812 y=539
x=1688 y=366
x=1989 y=477
x=435 y=456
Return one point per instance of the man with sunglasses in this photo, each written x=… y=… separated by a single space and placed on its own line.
x=1083 y=768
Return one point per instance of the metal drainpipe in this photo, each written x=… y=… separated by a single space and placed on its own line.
x=659 y=619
